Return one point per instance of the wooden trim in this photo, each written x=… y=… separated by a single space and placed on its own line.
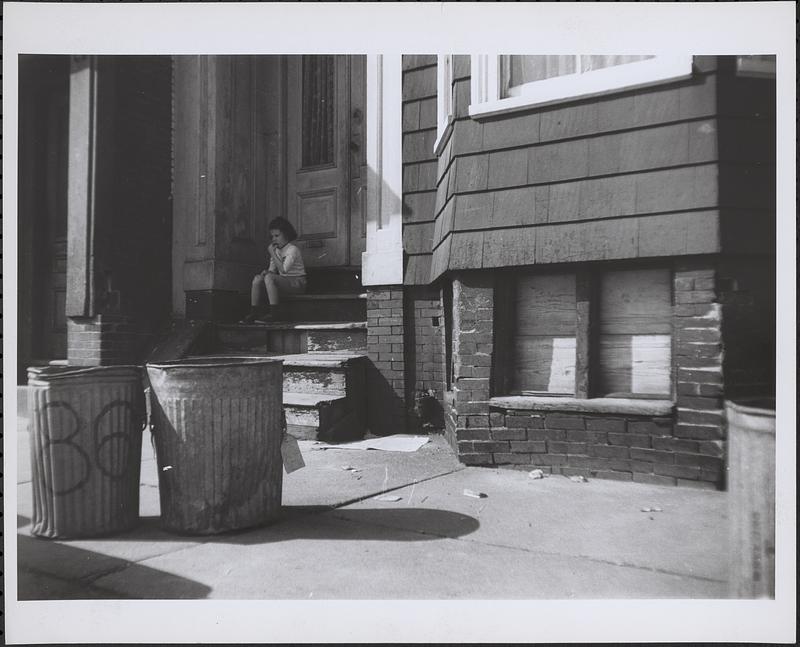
x=504 y=332
x=630 y=406
x=585 y=306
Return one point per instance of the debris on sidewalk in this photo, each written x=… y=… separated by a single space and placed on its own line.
x=578 y=479
x=395 y=443
x=474 y=494
x=653 y=509
x=391 y=498
x=536 y=474
x=166 y=468
x=350 y=468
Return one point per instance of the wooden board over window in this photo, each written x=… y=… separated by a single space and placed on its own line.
x=544 y=345
x=635 y=332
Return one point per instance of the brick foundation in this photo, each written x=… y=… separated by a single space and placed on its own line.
x=685 y=448
x=386 y=409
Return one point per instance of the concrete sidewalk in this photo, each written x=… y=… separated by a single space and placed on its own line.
x=550 y=538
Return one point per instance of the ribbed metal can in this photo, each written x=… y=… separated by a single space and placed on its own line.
x=751 y=486
x=217 y=429
x=86 y=449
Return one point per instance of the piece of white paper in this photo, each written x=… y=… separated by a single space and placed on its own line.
x=290 y=452
x=396 y=443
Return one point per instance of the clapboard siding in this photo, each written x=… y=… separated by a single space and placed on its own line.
x=420 y=165
x=626 y=175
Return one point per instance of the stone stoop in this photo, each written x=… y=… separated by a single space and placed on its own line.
x=324 y=394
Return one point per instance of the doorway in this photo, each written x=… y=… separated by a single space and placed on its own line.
x=42 y=212
x=326 y=157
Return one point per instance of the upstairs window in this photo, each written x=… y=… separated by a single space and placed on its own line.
x=512 y=82
x=589 y=334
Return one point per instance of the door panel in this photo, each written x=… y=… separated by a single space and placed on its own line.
x=318 y=159
x=326 y=157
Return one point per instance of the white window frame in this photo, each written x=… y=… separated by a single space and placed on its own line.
x=444 y=100
x=486 y=82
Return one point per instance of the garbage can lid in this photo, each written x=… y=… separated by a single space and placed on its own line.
x=39 y=375
x=214 y=361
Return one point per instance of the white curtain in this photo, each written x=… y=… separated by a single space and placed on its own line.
x=518 y=70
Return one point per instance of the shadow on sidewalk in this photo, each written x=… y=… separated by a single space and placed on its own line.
x=34 y=582
x=310 y=522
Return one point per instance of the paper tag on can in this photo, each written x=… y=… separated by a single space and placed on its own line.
x=290 y=452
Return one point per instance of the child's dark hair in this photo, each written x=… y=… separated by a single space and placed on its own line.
x=284 y=226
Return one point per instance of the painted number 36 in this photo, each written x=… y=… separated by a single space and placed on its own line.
x=111 y=448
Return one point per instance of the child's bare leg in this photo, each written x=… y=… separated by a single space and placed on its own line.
x=273 y=293
x=255 y=290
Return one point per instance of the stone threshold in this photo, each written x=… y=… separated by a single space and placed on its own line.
x=631 y=406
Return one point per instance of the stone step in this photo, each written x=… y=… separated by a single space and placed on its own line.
x=348 y=306
x=318 y=417
x=286 y=337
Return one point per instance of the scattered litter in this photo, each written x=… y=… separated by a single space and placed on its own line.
x=536 y=474
x=578 y=479
x=166 y=467
x=423 y=499
x=388 y=497
x=396 y=443
x=349 y=468
x=652 y=510
x=475 y=495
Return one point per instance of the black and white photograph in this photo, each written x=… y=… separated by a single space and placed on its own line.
x=406 y=322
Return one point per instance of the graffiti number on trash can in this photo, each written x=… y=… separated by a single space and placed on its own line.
x=111 y=450
x=62 y=442
x=59 y=447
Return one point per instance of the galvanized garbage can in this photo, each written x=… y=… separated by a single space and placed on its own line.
x=86 y=449
x=751 y=486
x=217 y=429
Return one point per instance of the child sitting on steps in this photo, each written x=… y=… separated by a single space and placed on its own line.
x=286 y=273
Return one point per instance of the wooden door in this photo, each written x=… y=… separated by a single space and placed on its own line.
x=325 y=155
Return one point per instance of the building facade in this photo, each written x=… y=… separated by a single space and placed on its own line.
x=575 y=255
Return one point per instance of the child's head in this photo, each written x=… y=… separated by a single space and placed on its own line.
x=285 y=228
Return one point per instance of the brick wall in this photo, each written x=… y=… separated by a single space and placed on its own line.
x=386 y=408
x=424 y=346
x=105 y=340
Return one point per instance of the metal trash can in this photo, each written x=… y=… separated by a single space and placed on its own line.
x=751 y=486
x=216 y=423
x=86 y=449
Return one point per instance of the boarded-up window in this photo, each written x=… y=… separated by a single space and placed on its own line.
x=635 y=333
x=544 y=347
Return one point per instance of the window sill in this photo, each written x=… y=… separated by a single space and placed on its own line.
x=629 y=406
